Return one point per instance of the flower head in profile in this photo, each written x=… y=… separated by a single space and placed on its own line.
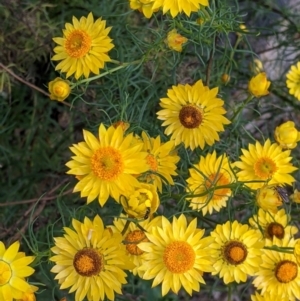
x=161 y=160
x=193 y=115
x=176 y=255
x=90 y=260
x=293 y=80
x=273 y=225
x=83 y=48
x=144 y=6
x=238 y=251
x=266 y=163
x=258 y=85
x=279 y=273
x=142 y=202
x=205 y=177
x=59 y=89
x=106 y=164
x=133 y=236
x=175 y=40
x=13 y=271
x=286 y=135
x=177 y=6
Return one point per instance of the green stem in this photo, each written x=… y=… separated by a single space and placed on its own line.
x=126 y=227
x=245 y=102
x=121 y=66
x=229 y=292
x=288 y=250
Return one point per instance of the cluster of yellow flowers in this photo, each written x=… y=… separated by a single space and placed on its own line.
x=91 y=258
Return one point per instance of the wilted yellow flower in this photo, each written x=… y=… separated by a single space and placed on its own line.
x=268 y=198
x=124 y=125
x=59 y=89
x=141 y=203
x=259 y=85
x=295 y=197
x=200 y=21
x=286 y=135
x=175 y=40
x=297 y=251
x=144 y=6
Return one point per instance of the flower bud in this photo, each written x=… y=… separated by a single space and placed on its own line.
x=142 y=202
x=268 y=198
x=59 y=89
x=286 y=135
x=259 y=85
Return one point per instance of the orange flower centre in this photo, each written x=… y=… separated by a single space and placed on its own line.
x=133 y=239
x=265 y=168
x=5 y=273
x=190 y=116
x=179 y=257
x=78 y=43
x=107 y=163
x=275 y=229
x=152 y=162
x=88 y=262
x=235 y=252
x=218 y=179
x=286 y=271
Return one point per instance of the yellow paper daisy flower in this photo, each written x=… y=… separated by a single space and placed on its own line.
x=83 y=47
x=176 y=255
x=177 y=6
x=106 y=165
x=144 y=6
x=266 y=163
x=238 y=251
x=293 y=80
x=161 y=160
x=205 y=177
x=268 y=297
x=279 y=273
x=13 y=269
x=273 y=224
x=90 y=260
x=193 y=115
x=133 y=236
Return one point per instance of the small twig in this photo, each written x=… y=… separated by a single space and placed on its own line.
x=44 y=198
x=23 y=80
x=210 y=62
